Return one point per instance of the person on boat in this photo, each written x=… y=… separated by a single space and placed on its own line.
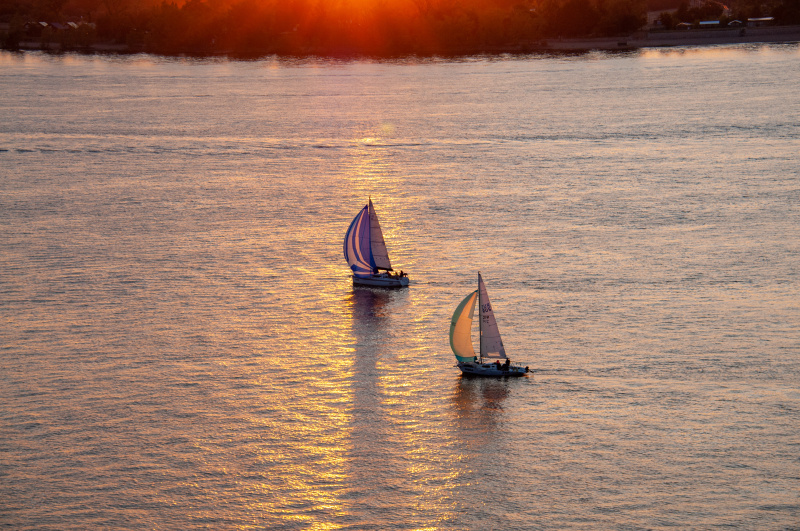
x=498 y=364
x=402 y=274
x=507 y=364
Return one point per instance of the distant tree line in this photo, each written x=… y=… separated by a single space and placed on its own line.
x=334 y=27
x=374 y=27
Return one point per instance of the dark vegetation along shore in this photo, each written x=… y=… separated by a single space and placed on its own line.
x=387 y=28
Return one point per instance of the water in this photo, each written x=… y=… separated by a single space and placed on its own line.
x=181 y=346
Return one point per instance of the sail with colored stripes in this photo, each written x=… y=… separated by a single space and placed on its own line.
x=357 y=245
x=491 y=343
x=364 y=247
x=461 y=328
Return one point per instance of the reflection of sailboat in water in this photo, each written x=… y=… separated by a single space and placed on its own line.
x=366 y=466
x=366 y=254
x=480 y=393
x=479 y=405
x=491 y=345
x=369 y=311
x=369 y=324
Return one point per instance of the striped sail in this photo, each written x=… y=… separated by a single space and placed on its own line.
x=491 y=343
x=461 y=328
x=357 y=245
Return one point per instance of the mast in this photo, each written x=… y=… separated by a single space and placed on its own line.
x=480 y=318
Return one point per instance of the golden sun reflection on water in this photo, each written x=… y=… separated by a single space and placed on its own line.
x=370 y=169
x=355 y=418
x=715 y=52
x=309 y=396
x=369 y=160
x=397 y=430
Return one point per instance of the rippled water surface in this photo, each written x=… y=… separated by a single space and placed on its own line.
x=181 y=345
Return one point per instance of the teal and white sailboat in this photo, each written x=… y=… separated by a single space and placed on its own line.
x=491 y=344
x=366 y=254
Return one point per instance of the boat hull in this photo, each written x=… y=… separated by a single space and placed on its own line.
x=381 y=281
x=491 y=369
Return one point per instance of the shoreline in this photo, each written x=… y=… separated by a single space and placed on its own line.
x=666 y=38
x=639 y=40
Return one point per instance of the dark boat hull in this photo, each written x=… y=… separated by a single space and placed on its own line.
x=491 y=369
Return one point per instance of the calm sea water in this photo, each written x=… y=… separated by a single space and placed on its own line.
x=181 y=345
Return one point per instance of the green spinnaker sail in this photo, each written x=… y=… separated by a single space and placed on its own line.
x=460 y=329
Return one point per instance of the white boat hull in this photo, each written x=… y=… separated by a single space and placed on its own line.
x=491 y=369
x=382 y=280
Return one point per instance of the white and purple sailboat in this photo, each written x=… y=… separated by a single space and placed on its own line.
x=491 y=344
x=366 y=254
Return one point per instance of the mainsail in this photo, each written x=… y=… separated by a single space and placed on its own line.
x=491 y=344
x=460 y=329
x=380 y=255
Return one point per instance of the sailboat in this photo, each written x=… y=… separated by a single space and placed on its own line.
x=366 y=254
x=491 y=344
